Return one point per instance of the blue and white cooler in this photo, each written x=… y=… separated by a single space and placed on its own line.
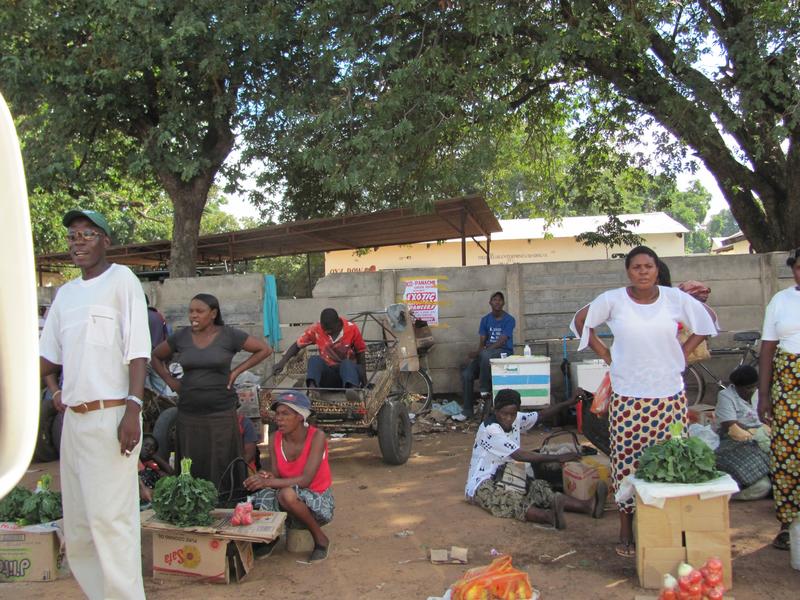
x=529 y=375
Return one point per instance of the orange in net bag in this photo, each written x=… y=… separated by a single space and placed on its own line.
x=496 y=581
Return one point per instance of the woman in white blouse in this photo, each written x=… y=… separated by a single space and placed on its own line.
x=647 y=362
x=779 y=398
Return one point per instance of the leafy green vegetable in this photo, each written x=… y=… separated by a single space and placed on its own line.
x=183 y=500
x=43 y=505
x=678 y=460
x=11 y=505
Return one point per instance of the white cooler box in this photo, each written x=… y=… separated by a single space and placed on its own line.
x=588 y=374
x=529 y=375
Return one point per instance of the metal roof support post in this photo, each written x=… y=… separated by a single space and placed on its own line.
x=463 y=236
x=488 y=248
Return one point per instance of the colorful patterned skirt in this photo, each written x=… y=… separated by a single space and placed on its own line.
x=785 y=444
x=634 y=424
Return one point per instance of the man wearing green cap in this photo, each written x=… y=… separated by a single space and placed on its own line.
x=97 y=332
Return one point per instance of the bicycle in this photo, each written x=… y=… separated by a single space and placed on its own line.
x=693 y=378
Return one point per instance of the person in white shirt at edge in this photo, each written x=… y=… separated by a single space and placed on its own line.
x=646 y=365
x=497 y=443
x=97 y=330
x=779 y=398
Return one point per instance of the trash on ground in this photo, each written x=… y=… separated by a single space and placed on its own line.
x=403 y=533
x=454 y=556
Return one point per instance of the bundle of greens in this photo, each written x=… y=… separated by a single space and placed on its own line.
x=678 y=460
x=11 y=505
x=43 y=505
x=183 y=500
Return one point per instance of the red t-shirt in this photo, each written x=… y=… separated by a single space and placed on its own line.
x=294 y=468
x=346 y=346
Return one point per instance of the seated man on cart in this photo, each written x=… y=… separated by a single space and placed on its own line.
x=341 y=362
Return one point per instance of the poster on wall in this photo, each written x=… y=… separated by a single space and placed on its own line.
x=422 y=298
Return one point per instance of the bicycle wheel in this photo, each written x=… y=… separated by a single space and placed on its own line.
x=694 y=386
x=414 y=386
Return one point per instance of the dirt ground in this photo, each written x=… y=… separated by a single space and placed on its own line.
x=375 y=502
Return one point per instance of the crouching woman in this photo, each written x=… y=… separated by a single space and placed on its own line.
x=498 y=443
x=299 y=479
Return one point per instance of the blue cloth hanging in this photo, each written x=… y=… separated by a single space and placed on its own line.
x=272 y=324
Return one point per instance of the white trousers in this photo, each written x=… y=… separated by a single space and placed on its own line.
x=100 y=491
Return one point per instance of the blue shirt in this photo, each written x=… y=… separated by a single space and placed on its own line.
x=492 y=329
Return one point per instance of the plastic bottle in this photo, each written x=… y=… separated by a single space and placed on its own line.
x=172 y=460
x=527 y=350
x=794 y=543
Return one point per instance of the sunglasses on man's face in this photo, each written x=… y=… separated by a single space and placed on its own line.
x=88 y=235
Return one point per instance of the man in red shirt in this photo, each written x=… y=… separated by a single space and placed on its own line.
x=341 y=361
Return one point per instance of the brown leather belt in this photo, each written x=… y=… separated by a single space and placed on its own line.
x=97 y=405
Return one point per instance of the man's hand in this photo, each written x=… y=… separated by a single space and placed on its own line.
x=57 y=403
x=129 y=432
x=276 y=370
x=764 y=409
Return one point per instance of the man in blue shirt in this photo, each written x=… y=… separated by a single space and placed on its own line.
x=496 y=333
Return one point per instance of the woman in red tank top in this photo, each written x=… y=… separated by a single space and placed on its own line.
x=299 y=479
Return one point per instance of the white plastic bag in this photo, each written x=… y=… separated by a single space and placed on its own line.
x=705 y=433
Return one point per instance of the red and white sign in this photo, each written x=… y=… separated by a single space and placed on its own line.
x=422 y=298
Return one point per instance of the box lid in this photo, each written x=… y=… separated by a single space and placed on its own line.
x=516 y=360
x=265 y=528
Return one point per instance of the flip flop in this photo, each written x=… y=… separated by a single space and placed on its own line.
x=557 y=506
x=600 y=495
x=319 y=553
x=781 y=541
x=625 y=549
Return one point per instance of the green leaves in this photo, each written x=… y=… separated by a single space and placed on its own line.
x=183 y=500
x=678 y=460
x=41 y=506
x=11 y=505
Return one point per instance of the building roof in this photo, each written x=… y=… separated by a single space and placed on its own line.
x=568 y=227
x=466 y=216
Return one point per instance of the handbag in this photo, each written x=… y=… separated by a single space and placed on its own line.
x=551 y=472
x=602 y=396
x=231 y=484
x=512 y=477
x=698 y=354
x=744 y=461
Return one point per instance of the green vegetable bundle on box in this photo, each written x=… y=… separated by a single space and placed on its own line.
x=678 y=460
x=30 y=508
x=183 y=500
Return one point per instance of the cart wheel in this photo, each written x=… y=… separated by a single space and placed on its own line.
x=164 y=432
x=394 y=432
x=413 y=385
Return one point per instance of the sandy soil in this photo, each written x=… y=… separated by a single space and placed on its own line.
x=374 y=502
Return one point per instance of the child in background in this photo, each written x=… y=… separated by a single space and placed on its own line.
x=151 y=467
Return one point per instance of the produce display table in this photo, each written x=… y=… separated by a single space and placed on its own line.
x=677 y=523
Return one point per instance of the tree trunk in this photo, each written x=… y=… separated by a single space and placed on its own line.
x=188 y=200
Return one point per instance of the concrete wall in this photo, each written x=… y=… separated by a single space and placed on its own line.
x=448 y=254
x=543 y=298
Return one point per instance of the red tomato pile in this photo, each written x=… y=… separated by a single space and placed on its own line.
x=242 y=514
x=695 y=584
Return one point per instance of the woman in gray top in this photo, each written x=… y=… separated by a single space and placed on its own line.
x=207 y=426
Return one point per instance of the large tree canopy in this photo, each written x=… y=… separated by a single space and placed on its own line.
x=155 y=90
x=421 y=88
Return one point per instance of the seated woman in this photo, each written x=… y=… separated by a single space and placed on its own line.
x=151 y=467
x=497 y=443
x=735 y=414
x=299 y=479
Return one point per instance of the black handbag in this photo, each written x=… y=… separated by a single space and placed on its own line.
x=746 y=462
x=552 y=472
x=231 y=484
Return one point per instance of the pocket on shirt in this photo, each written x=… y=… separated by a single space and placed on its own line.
x=102 y=326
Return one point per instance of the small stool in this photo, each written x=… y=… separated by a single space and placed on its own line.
x=299 y=540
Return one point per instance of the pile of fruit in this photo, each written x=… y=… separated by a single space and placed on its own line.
x=242 y=514
x=695 y=584
x=497 y=581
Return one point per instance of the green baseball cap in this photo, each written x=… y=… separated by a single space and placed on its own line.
x=94 y=216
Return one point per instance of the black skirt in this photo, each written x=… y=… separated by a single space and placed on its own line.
x=212 y=441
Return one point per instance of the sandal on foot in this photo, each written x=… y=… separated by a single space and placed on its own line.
x=557 y=508
x=625 y=549
x=600 y=495
x=319 y=553
x=781 y=541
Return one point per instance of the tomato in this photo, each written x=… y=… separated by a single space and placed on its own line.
x=236 y=519
x=668 y=595
x=714 y=579
x=696 y=589
x=716 y=593
x=704 y=571
x=695 y=577
x=684 y=583
x=714 y=564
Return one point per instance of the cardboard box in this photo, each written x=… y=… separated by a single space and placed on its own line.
x=581 y=478
x=217 y=553
x=686 y=529
x=31 y=553
x=702 y=414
